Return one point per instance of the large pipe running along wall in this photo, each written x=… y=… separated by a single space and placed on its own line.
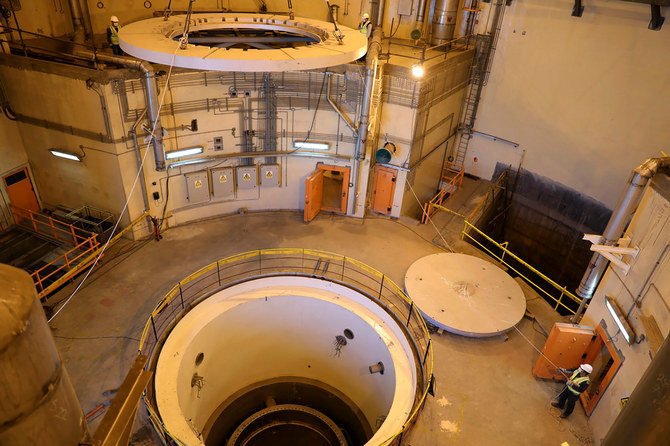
x=620 y=218
x=360 y=146
x=38 y=405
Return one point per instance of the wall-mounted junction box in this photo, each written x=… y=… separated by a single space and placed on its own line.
x=218 y=143
x=197 y=187
x=247 y=177
x=270 y=175
x=223 y=182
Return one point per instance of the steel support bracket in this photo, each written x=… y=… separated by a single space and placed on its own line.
x=578 y=9
x=614 y=253
x=657 y=19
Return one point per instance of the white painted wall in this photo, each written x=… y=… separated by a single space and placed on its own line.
x=582 y=96
x=64 y=100
x=276 y=327
x=650 y=231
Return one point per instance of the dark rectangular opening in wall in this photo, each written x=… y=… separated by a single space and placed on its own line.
x=544 y=222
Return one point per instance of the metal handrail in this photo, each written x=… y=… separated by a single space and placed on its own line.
x=296 y=262
x=501 y=258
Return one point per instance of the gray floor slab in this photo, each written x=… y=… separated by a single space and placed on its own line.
x=485 y=393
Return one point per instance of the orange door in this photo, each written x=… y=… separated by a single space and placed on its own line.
x=313 y=195
x=20 y=191
x=383 y=189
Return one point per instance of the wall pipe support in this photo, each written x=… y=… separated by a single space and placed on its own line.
x=337 y=108
x=360 y=146
x=620 y=218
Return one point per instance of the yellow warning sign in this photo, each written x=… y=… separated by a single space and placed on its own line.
x=198 y=184
x=223 y=178
x=269 y=174
x=246 y=177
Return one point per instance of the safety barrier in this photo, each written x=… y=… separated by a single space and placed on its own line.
x=290 y=262
x=452 y=179
x=83 y=243
x=469 y=229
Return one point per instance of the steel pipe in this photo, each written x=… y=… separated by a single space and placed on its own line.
x=371 y=62
x=150 y=92
x=620 y=218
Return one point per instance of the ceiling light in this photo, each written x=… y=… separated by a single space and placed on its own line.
x=620 y=319
x=311 y=145
x=417 y=70
x=183 y=152
x=67 y=155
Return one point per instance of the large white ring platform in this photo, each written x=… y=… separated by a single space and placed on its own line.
x=156 y=40
x=465 y=295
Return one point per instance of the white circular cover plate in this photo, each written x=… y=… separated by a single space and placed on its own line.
x=465 y=295
x=154 y=40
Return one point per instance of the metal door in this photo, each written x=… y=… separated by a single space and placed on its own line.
x=313 y=195
x=20 y=191
x=383 y=189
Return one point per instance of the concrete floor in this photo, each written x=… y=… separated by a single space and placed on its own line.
x=485 y=391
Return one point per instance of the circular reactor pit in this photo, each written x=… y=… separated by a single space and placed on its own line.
x=286 y=361
x=465 y=295
x=242 y=42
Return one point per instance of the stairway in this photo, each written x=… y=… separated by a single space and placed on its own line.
x=23 y=248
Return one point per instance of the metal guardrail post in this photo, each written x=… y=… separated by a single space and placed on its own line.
x=218 y=272
x=381 y=287
x=153 y=325
x=411 y=310
x=425 y=355
x=181 y=296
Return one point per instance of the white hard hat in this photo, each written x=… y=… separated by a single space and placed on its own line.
x=586 y=367
x=366 y=16
x=114 y=19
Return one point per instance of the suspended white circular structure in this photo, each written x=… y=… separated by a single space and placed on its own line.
x=242 y=42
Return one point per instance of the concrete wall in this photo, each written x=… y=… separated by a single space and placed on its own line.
x=45 y=100
x=648 y=283
x=580 y=95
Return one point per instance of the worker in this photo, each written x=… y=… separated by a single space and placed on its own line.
x=365 y=26
x=576 y=384
x=113 y=35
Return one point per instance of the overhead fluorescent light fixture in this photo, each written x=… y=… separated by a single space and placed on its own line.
x=620 y=319
x=183 y=152
x=67 y=155
x=311 y=145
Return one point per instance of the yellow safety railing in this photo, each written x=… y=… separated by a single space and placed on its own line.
x=562 y=291
x=297 y=262
x=91 y=254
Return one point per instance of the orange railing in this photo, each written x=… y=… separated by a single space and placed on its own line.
x=452 y=180
x=83 y=243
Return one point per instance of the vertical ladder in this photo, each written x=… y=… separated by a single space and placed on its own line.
x=477 y=78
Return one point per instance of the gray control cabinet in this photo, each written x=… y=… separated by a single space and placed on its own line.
x=270 y=175
x=223 y=182
x=197 y=187
x=247 y=177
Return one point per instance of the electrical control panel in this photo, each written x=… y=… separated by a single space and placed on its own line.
x=270 y=175
x=247 y=177
x=223 y=182
x=197 y=187
x=218 y=143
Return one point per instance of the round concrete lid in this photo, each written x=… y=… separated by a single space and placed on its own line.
x=465 y=295
x=17 y=295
